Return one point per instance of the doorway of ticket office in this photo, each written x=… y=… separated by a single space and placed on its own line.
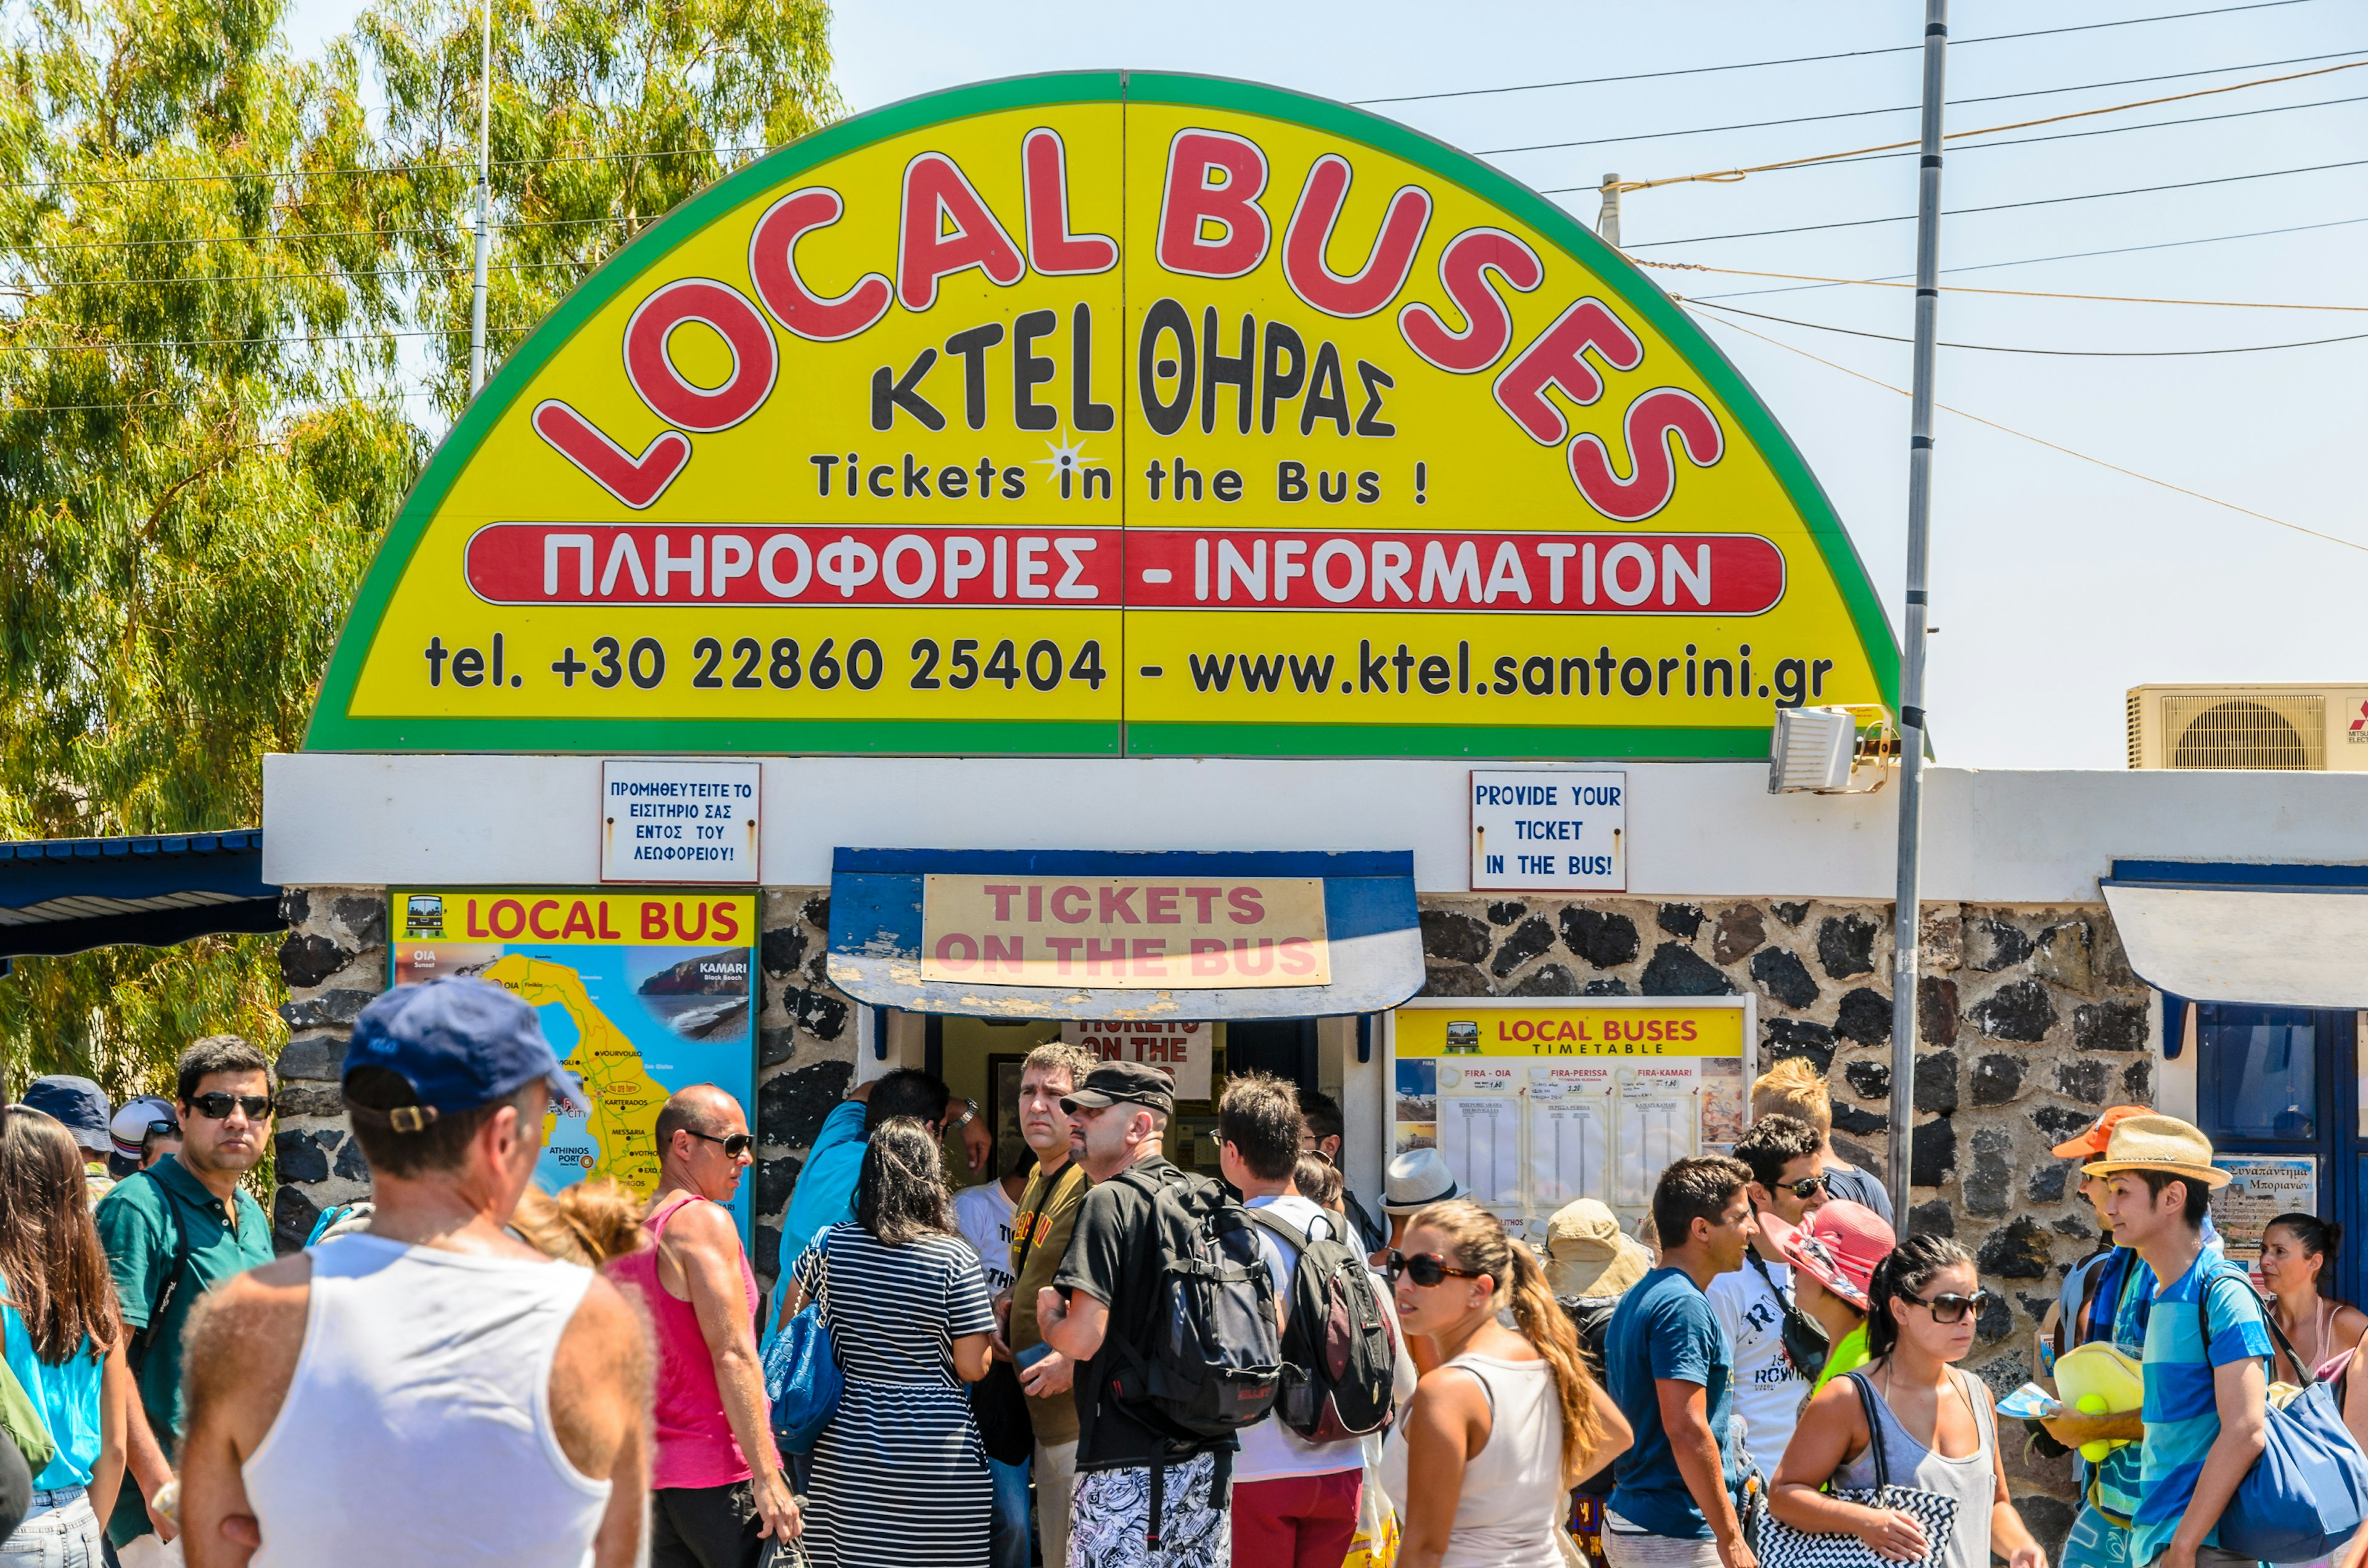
x=979 y=1059
x=2279 y=1093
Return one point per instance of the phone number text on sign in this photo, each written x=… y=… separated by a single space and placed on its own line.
x=1112 y=934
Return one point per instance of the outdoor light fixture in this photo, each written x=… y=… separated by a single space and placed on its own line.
x=1819 y=750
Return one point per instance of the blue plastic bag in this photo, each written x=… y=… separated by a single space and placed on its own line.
x=801 y=1377
x=2307 y=1495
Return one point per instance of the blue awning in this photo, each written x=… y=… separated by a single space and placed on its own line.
x=1371 y=931
x=68 y=895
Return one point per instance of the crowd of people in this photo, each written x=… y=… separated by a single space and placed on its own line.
x=1091 y=1357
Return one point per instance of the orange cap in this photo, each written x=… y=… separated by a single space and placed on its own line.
x=2093 y=1144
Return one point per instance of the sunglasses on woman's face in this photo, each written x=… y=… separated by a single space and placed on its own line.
x=1952 y=1308
x=734 y=1146
x=1425 y=1269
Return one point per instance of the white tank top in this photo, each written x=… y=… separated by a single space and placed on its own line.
x=1513 y=1498
x=417 y=1426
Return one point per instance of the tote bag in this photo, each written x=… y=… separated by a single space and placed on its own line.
x=802 y=1379
x=2306 y=1494
x=1783 y=1546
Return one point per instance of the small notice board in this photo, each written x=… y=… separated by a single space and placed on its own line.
x=1536 y=1102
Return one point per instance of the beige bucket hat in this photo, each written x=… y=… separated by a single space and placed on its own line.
x=2158 y=1143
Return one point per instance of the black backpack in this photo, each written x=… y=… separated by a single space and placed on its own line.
x=1339 y=1348
x=1215 y=1360
x=1591 y=1316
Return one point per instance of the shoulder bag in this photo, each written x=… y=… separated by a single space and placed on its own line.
x=802 y=1379
x=20 y=1421
x=1783 y=1546
x=2307 y=1495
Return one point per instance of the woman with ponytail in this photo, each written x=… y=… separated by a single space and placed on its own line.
x=1509 y=1420
x=2297 y=1265
x=1937 y=1429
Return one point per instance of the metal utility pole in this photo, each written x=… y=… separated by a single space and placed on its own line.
x=1909 y=908
x=1607 y=222
x=484 y=206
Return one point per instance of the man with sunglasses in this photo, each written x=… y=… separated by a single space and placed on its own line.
x=173 y=1233
x=717 y=1490
x=1778 y=1349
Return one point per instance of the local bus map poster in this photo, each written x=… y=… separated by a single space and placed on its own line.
x=1534 y=1104
x=640 y=994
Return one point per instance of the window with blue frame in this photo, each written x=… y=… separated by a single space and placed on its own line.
x=2259 y=1073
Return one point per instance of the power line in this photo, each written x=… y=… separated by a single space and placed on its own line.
x=1813 y=59
x=5 y=410
x=1905 y=109
x=241 y=341
x=2037 y=260
x=285 y=238
x=1860 y=154
x=1994 y=206
x=2051 y=446
x=387 y=172
x=2054 y=353
x=2016 y=293
x=199 y=277
x=2116 y=130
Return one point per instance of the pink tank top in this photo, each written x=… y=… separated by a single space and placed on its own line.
x=695 y=1445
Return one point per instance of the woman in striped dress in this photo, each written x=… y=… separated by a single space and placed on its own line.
x=899 y=1475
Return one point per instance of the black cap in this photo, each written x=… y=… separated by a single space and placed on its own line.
x=1131 y=1081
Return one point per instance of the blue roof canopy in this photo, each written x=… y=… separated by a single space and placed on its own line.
x=69 y=895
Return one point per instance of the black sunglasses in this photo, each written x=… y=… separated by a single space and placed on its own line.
x=216 y=1107
x=1807 y=1187
x=166 y=1129
x=1426 y=1269
x=1952 y=1308
x=736 y=1146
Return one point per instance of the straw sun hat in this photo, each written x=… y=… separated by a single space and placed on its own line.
x=2158 y=1143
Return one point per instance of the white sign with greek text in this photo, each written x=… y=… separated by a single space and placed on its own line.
x=1559 y=829
x=679 y=822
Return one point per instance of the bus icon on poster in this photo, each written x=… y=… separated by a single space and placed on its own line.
x=1463 y=1038
x=423 y=915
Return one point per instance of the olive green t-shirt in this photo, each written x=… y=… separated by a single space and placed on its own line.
x=1040 y=1224
x=143 y=1223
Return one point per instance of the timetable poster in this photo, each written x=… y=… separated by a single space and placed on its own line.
x=1534 y=1104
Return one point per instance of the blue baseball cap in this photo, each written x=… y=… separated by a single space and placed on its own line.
x=460 y=1042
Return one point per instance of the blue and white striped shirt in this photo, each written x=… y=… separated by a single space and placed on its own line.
x=2183 y=1415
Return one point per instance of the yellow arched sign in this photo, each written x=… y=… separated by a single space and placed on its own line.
x=1104 y=414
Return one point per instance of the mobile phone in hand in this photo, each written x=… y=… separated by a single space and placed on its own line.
x=1029 y=1357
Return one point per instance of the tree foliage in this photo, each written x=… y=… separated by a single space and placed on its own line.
x=235 y=302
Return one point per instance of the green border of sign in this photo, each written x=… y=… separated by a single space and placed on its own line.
x=333 y=729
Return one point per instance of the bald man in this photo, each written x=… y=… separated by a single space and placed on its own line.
x=717 y=1490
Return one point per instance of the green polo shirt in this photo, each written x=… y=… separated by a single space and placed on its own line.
x=144 y=1223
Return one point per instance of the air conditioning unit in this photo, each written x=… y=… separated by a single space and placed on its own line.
x=2287 y=729
x=1826 y=750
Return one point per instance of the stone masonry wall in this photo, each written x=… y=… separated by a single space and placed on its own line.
x=335 y=960
x=2030 y=1021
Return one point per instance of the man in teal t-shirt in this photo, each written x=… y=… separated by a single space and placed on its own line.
x=173 y=1233
x=2205 y=1395
x=1670 y=1370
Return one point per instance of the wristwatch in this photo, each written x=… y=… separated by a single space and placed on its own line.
x=968 y=1115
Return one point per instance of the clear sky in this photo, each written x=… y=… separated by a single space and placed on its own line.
x=2057 y=584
